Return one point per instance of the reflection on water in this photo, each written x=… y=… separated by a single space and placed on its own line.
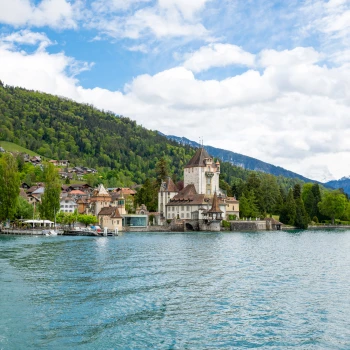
x=176 y=291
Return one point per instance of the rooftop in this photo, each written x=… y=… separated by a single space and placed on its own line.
x=198 y=158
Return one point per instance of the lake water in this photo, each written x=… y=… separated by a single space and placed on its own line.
x=267 y=290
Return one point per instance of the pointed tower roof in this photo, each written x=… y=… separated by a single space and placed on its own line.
x=102 y=191
x=170 y=186
x=215 y=206
x=198 y=158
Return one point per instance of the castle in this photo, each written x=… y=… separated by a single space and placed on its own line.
x=201 y=203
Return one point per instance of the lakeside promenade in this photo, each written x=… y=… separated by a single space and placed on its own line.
x=41 y=232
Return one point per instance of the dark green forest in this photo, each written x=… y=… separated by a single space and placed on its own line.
x=58 y=128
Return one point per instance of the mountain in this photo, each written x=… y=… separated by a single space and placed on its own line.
x=124 y=152
x=240 y=160
x=343 y=183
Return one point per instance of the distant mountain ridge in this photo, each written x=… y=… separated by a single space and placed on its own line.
x=343 y=183
x=241 y=160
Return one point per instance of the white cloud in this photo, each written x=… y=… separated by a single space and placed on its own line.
x=136 y=19
x=138 y=48
x=294 y=114
x=188 y=9
x=26 y=37
x=52 y=13
x=331 y=18
x=218 y=55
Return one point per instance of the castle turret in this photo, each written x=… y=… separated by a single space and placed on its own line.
x=202 y=172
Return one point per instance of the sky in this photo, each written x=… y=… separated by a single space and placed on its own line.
x=265 y=78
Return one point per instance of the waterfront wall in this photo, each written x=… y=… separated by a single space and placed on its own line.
x=259 y=225
x=147 y=229
x=9 y=231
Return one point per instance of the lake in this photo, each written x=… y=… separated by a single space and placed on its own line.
x=268 y=290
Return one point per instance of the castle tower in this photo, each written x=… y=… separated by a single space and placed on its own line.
x=203 y=173
x=167 y=191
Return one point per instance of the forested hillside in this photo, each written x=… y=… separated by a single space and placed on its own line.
x=59 y=128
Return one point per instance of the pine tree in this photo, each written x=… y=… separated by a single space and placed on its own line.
x=317 y=195
x=301 y=217
x=288 y=212
x=247 y=205
x=162 y=170
x=9 y=186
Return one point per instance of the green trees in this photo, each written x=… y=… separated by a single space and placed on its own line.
x=333 y=204
x=162 y=170
x=311 y=196
x=301 y=217
x=288 y=212
x=24 y=210
x=87 y=219
x=270 y=193
x=148 y=195
x=247 y=205
x=50 y=200
x=9 y=186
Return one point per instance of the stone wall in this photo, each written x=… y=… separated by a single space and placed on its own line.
x=148 y=229
x=259 y=225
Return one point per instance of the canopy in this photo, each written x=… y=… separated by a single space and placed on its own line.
x=38 y=222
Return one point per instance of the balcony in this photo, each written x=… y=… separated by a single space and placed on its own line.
x=209 y=174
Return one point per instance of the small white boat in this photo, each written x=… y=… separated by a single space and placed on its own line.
x=49 y=233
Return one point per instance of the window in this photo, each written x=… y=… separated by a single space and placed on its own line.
x=208 y=191
x=182 y=215
x=188 y=215
x=173 y=216
x=117 y=222
x=208 y=180
x=182 y=208
x=188 y=208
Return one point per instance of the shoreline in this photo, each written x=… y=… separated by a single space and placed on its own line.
x=160 y=229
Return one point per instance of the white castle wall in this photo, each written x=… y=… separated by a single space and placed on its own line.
x=196 y=176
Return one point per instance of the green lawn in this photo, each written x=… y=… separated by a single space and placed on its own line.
x=12 y=147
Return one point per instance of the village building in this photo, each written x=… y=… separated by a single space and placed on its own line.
x=110 y=218
x=68 y=205
x=38 y=192
x=100 y=199
x=59 y=162
x=167 y=191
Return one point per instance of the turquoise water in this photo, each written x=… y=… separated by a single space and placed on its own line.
x=267 y=290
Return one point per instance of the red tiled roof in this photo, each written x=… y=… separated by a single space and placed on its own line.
x=77 y=192
x=110 y=211
x=170 y=186
x=22 y=193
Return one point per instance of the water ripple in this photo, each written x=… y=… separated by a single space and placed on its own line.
x=176 y=291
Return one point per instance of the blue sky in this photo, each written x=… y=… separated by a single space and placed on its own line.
x=269 y=79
